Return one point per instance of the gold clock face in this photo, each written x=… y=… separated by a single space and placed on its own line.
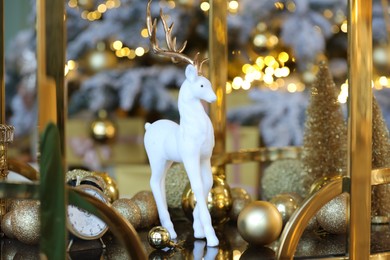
x=83 y=224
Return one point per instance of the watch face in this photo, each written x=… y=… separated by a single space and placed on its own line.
x=83 y=224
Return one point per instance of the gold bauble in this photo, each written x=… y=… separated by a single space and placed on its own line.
x=241 y=199
x=102 y=129
x=260 y=223
x=159 y=238
x=72 y=176
x=111 y=190
x=286 y=203
x=332 y=217
x=147 y=205
x=6 y=225
x=286 y=175
x=95 y=181
x=129 y=210
x=99 y=60
x=219 y=201
x=323 y=181
x=175 y=183
x=25 y=222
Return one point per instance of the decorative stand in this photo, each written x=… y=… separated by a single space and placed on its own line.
x=6 y=137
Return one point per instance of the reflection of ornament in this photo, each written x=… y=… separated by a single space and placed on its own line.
x=241 y=199
x=219 y=201
x=111 y=190
x=333 y=216
x=6 y=225
x=260 y=223
x=25 y=222
x=102 y=129
x=284 y=176
x=147 y=205
x=257 y=253
x=286 y=203
x=129 y=210
x=159 y=238
x=175 y=183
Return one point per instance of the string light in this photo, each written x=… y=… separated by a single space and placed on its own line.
x=93 y=15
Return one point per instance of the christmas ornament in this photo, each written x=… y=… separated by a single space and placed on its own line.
x=95 y=181
x=325 y=138
x=129 y=210
x=145 y=201
x=74 y=176
x=25 y=222
x=6 y=225
x=159 y=238
x=286 y=203
x=241 y=199
x=313 y=224
x=260 y=223
x=257 y=253
x=102 y=129
x=332 y=217
x=175 y=183
x=190 y=142
x=111 y=190
x=219 y=201
x=380 y=209
x=285 y=176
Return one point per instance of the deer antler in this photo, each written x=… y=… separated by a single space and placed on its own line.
x=175 y=54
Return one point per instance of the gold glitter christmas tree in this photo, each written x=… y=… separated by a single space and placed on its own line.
x=380 y=159
x=325 y=137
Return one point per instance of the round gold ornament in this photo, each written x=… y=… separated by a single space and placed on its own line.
x=332 y=217
x=159 y=238
x=74 y=176
x=175 y=183
x=95 y=181
x=111 y=190
x=260 y=223
x=25 y=222
x=129 y=210
x=6 y=225
x=219 y=201
x=286 y=203
x=147 y=205
x=102 y=129
x=285 y=176
x=241 y=199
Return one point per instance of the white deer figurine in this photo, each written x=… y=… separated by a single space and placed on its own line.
x=190 y=142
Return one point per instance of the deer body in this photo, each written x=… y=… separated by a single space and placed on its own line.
x=190 y=142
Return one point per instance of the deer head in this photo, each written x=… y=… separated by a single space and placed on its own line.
x=200 y=87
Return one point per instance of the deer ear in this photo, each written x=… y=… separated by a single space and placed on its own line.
x=191 y=72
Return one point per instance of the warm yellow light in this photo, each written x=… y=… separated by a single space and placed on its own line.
x=237 y=82
x=229 y=88
x=84 y=14
x=269 y=60
x=118 y=53
x=205 y=6
x=291 y=6
x=344 y=26
x=256 y=75
x=171 y=4
x=71 y=64
x=66 y=70
x=131 y=55
x=139 y=51
x=269 y=71
x=117 y=3
x=283 y=56
x=292 y=87
x=260 y=62
x=245 y=67
x=246 y=85
x=278 y=73
x=125 y=51
x=383 y=81
x=102 y=8
x=284 y=71
x=117 y=45
x=272 y=40
x=260 y=40
x=328 y=13
x=279 y=5
x=343 y=95
x=233 y=5
x=144 y=33
x=72 y=3
x=268 y=78
x=110 y=4
x=335 y=28
x=249 y=78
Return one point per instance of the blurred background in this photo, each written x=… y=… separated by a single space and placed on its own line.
x=115 y=84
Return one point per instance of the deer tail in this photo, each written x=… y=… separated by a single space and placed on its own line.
x=147 y=126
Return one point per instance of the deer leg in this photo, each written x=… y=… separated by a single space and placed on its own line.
x=157 y=181
x=207 y=179
x=192 y=166
x=197 y=225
